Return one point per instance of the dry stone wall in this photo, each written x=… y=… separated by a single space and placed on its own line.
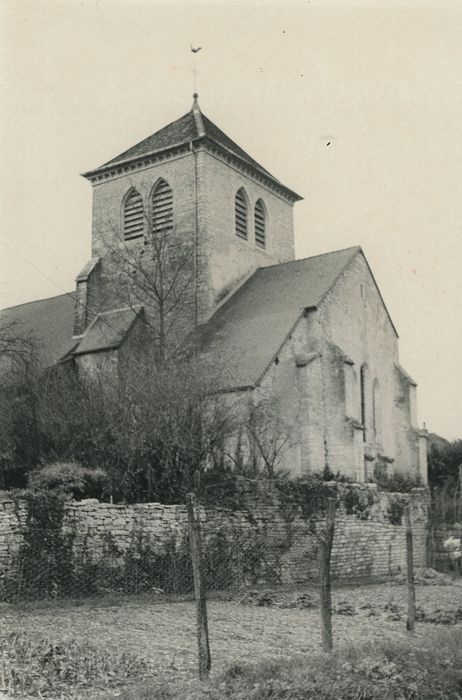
x=263 y=542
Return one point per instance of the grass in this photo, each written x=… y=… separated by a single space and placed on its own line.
x=409 y=670
x=41 y=668
x=101 y=647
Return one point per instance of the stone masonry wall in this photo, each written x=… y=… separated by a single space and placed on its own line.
x=368 y=541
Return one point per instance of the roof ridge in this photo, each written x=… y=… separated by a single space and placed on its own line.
x=310 y=257
x=241 y=153
x=36 y=301
x=135 y=308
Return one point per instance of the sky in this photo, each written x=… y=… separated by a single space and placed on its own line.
x=380 y=82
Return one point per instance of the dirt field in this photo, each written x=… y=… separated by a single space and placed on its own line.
x=164 y=633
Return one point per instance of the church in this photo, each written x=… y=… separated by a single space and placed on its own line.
x=193 y=239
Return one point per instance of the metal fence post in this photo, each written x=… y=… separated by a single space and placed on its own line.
x=204 y=658
x=326 y=537
x=410 y=624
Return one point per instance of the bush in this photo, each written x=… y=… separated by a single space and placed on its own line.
x=398 y=483
x=69 y=478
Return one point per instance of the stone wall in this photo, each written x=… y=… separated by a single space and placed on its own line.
x=268 y=540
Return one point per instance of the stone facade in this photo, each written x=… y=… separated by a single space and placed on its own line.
x=204 y=187
x=369 y=537
x=224 y=259
x=336 y=377
x=337 y=420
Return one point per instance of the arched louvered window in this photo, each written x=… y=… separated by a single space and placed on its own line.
x=240 y=210
x=260 y=224
x=162 y=208
x=133 y=215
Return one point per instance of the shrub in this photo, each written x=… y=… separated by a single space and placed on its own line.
x=395 y=512
x=69 y=478
x=398 y=483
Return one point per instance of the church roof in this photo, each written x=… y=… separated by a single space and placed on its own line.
x=107 y=331
x=243 y=336
x=48 y=323
x=240 y=340
x=191 y=127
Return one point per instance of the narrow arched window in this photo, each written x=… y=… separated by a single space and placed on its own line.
x=162 y=208
x=240 y=210
x=133 y=217
x=376 y=409
x=260 y=224
x=363 y=398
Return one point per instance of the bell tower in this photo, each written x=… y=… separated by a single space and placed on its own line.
x=217 y=212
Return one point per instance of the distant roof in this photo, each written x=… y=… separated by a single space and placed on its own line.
x=190 y=127
x=242 y=338
x=107 y=331
x=48 y=323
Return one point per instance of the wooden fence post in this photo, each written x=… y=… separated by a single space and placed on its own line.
x=430 y=541
x=326 y=537
x=205 y=661
x=410 y=624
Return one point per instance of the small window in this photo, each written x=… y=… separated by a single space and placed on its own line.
x=240 y=208
x=260 y=224
x=351 y=388
x=363 y=398
x=133 y=215
x=376 y=410
x=162 y=208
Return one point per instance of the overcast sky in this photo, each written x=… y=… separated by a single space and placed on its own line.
x=381 y=81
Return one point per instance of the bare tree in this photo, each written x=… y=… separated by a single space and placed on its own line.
x=260 y=439
x=19 y=373
x=150 y=434
x=17 y=349
x=157 y=272
x=270 y=435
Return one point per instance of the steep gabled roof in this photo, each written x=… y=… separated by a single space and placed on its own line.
x=48 y=323
x=191 y=127
x=242 y=338
x=239 y=341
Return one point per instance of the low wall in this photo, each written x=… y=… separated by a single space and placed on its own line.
x=265 y=540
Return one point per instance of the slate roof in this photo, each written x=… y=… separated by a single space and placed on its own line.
x=190 y=127
x=107 y=331
x=48 y=323
x=244 y=335
x=240 y=340
x=180 y=132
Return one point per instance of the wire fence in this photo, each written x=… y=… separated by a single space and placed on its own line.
x=258 y=569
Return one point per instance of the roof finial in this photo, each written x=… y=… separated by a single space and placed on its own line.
x=196 y=110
